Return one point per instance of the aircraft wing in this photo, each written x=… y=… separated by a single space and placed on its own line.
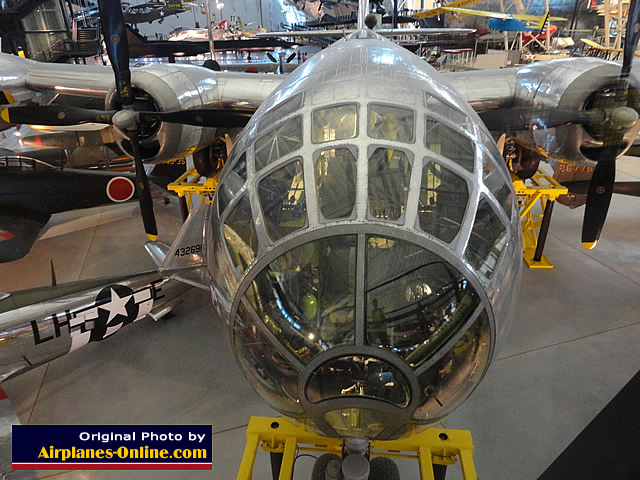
x=501 y=16
x=18 y=232
x=597 y=46
x=442 y=10
x=383 y=31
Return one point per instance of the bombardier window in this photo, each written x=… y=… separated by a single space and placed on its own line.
x=488 y=239
x=391 y=123
x=279 y=112
x=334 y=123
x=240 y=235
x=445 y=110
x=307 y=296
x=497 y=185
x=446 y=141
x=282 y=198
x=389 y=177
x=335 y=174
x=415 y=300
x=443 y=201
x=268 y=371
x=279 y=142
x=443 y=388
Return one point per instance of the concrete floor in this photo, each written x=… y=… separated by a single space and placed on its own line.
x=572 y=346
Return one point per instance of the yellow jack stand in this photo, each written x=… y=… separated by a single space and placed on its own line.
x=433 y=446
x=546 y=190
x=192 y=183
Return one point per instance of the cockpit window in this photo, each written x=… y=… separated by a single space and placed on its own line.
x=444 y=109
x=497 y=185
x=488 y=238
x=240 y=235
x=306 y=297
x=391 y=123
x=283 y=202
x=278 y=112
x=279 y=142
x=334 y=123
x=232 y=183
x=443 y=201
x=389 y=177
x=450 y=143
x=335 y=174
x=415 y=300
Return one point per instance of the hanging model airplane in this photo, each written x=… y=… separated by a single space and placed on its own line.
x=152 y=11
x=506 y=22
x=364 y=244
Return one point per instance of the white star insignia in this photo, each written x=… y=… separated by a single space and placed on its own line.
x=117 y=305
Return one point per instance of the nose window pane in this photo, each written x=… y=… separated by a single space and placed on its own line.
x=452 y=378
x=334 y=123
x=391 y=123
x=443 y=108
x=487 y=240
x=358 y=377
x=240 y=235
x=232 y=183
x=443 y=201
x=335 y=173
x=306 y=297
x=389 y=177
x=415 y=300
x=278 y=142
x=497 y=185
x=282 y=198
x=265 y=367
x=450 y=143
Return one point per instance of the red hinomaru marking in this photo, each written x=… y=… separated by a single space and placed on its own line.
x=6 y=235
x=3 y=396
x=120 y=189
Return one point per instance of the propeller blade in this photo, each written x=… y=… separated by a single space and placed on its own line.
x=523 y=118
x=291 y=57
x=632 y=35
x=142 y=187
x=581 y=187
x=55 y=115
x=115 y=38
x=599 y=196
x=202 y=117
x=271 y=57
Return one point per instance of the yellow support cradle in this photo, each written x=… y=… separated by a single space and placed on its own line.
x=544 y=189
x=192 y=183
x=433 y=446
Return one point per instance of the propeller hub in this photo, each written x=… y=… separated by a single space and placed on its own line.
x=623 y=117
x=125 y=119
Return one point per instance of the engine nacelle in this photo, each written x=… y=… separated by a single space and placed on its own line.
x=170 y=88
x=565 y=84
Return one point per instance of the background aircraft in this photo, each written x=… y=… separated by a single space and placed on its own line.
x=151 y=11
x=335 y=197
x=31 y=191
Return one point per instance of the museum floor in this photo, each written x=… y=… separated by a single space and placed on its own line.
x=573 y=345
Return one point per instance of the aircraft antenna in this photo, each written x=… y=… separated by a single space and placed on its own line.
x=363 y=10
x=54 y=282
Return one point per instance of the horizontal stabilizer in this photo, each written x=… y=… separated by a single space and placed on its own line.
x=196 y=277
x=157 y=251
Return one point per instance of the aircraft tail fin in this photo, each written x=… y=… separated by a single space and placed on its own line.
x=188 y=249
x=544 y=21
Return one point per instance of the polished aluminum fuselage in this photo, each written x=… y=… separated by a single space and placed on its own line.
x=39 y=325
